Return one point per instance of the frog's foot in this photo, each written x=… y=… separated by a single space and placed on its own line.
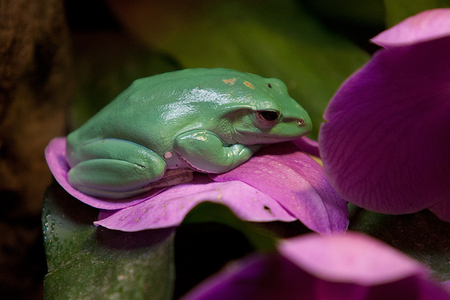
x=170 y=178
x=205 y=152
x=114 y=169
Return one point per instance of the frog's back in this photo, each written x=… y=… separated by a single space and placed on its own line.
x=153 y=108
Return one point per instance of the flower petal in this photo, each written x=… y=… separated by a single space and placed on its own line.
x=169 y=208
x=442 y=210
x=297 y=182
x=351 y=257
x=345 y=266
x=386 y=141
x=425 y=26
x=55 y=154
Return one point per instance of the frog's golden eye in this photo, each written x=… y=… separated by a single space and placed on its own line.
x=267 y=118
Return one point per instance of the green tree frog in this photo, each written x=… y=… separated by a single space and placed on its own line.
x=205 y=120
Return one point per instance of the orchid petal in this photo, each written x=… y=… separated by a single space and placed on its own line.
x=425 y=26
x=169 y=208
x=441 y=210
x=55 y=154
x=347 y=266
x=351 y=258
x=297 y=182
x=385 y=144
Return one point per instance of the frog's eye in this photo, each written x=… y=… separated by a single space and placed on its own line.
x=267 y=118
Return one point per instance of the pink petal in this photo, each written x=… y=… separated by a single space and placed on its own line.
x=55 y=154
x=297 y=182
x=386 y=141
x=169 y=208
x=425 y=26
x=351 y=257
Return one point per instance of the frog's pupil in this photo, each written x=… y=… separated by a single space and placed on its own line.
x=269 y=115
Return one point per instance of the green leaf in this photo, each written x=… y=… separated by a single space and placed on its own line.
x=205 y=212
x=88 y=262
x=272 y=39
x=105 y=65
x=421 y=235
x=398 y=10
x=361 y=13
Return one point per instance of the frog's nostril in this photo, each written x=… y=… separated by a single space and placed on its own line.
x=300 y=122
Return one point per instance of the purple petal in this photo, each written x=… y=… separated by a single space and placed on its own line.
x=442 y=210
x=297 y=182
x=313 y=267
x=385 y=144
x=268 y=277
x=446 y=285
x=55 y=154
x=169 y=208
x=425 y=26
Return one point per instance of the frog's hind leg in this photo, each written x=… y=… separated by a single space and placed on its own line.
x=112 y=168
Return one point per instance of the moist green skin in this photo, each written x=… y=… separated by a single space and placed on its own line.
x=207 y=120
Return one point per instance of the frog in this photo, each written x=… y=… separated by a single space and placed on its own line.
x=207 y=120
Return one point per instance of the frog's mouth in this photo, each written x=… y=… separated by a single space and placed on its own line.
x=253 y=138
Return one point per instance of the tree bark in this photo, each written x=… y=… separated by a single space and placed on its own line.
x=36 y=83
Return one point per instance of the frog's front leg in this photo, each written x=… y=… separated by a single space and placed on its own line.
x=205 y=152
x=113 y=168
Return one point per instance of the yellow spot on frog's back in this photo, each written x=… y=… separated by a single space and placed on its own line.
x=248 y=84
x=230 y=81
